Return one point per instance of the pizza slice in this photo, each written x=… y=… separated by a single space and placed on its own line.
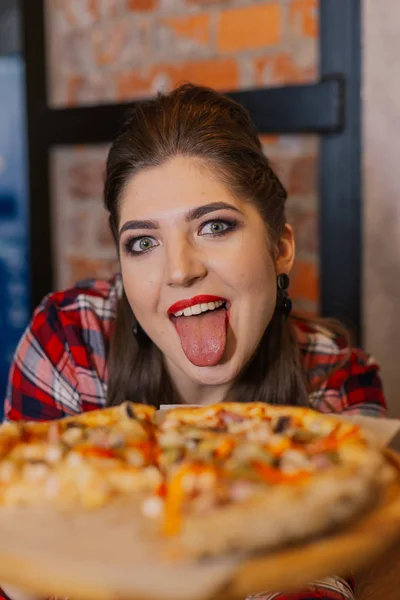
x=83 y=460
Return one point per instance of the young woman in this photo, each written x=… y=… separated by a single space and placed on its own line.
x=200 y=312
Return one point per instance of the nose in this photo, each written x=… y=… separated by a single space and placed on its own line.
x=185 y=264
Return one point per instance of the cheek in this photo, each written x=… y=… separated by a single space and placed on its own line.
x=140 y=289
x=254 y=269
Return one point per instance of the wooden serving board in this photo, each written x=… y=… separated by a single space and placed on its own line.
x=105 y=556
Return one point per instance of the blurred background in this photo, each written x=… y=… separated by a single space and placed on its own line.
x=62 y=60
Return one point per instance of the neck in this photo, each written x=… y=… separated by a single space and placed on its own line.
x=192 y=392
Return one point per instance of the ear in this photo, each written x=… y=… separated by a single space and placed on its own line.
x=285 y=251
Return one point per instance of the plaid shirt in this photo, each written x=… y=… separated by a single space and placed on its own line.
x=60 y=368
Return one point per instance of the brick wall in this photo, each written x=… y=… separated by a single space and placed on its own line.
x=112 y=50
x=82 y=242
x=104 y=50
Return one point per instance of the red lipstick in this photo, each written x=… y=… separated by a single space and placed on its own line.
x=182 y=304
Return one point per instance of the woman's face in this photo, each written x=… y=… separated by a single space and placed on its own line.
x=187 y=244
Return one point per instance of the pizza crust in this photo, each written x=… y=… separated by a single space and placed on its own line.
x=288 y=513
x=284 y=514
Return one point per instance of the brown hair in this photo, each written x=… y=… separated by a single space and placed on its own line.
x=198 y=122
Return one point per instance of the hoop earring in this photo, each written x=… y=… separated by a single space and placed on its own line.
x=283 y=300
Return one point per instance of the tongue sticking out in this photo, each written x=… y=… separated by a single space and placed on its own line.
x=203 y=337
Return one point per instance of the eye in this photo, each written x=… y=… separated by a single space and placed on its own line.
x=140 y=245
x=217 y=227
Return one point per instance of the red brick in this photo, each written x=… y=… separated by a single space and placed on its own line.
x=281 y=165
x=85 y=179
x=111 y=8
x=142 y=5
x=268 y=140
x=75 y=50
x=305 y=226
x=74 y=84
x=304 y=282
x=96 y=89
x=133 y=84
x=182 y=35
x=77 y=225
x=120 y=42
x=281 y=69
x=80 y=13
x=303 y=176
x=206 y=2
x=303 y=17
x=249 y=27
x=221 y=74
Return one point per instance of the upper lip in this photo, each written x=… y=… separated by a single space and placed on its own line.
x=182 y=304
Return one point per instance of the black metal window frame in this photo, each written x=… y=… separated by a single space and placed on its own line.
x=330 y=108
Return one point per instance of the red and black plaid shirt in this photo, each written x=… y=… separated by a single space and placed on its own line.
x=60 y=368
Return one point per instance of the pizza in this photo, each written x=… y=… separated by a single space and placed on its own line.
x=80 y=461
x=206 y=480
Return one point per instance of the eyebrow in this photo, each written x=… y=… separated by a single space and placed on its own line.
x=191 y=215
x=138 y=225
x=200 y=211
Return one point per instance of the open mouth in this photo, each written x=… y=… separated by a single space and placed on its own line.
x=201 y=323
x=196 y=306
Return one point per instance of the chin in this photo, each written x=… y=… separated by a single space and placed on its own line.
x=219 y=374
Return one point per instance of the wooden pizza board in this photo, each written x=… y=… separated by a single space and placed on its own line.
x=103 y=555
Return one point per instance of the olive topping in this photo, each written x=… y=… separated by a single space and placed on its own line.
x=281 y=424
x=72 y=424
x=130 y=412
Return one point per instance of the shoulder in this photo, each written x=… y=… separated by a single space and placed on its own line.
x=82 y=311
x=60 y=364
x=320 y=347
x=77 y=324
x=342 y=378
x=95 y=295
